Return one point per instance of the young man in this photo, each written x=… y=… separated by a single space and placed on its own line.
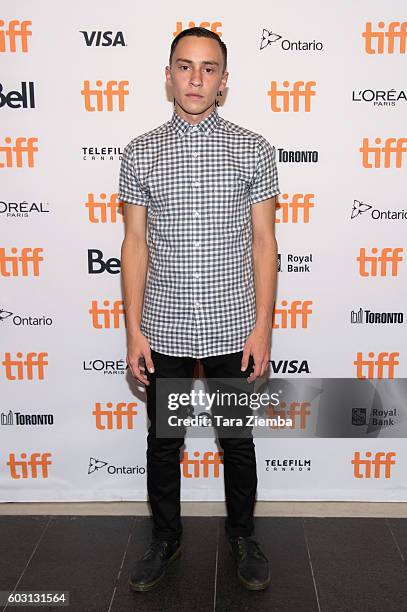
x=202 y=286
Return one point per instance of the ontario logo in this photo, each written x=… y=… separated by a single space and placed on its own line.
x=268 y=37
x=95 y=465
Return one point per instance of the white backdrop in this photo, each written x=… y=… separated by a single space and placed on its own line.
x=62 y=361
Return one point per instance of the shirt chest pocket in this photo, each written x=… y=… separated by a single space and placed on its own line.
x=228 y=197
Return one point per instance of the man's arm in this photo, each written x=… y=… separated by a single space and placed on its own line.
x=265 y=251
x=134 y=265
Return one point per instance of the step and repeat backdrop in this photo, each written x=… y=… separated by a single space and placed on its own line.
x=325 y=84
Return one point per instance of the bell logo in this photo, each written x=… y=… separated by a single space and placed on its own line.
x=101 y=211
x=107 y=318
x=384 y=364
x=197 y=468
x=35 y=467
x=362 y=468
x=287 y=316
x=375 y=40
x=25 y=370
x=26 y=264
x=382 y=156
x=291 y=98
x=389 y=257
x=14 y=155
x=16 y=30
x=290 y=209
x=213 y=27
x=104 y=98
x=292 y=411
x=113 y=417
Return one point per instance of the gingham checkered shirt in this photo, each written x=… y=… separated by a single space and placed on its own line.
x=198 y=183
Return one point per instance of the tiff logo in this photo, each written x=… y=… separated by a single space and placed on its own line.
x=292 y=411
x=362 y=468
x=384 y=364
x=291 y=209
x=16 y=31
x=20 y=265
x=375 y=40
x=107 y=318
x=19 y=369
x=101 y=211
x=292 y=96
x=200 y=467
x=114 y=417
x=389 y=256
x=104 y=98
x=35 y=467
x=382 y=157
x=287 y=316
x=15 y=155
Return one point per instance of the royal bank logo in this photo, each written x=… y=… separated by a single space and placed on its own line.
x=270 y=38
x=294 y=263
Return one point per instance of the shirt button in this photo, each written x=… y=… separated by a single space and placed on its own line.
x=196 y=213
x=195 y=154
x=196 y=244
x=197 y=304
x=197 y=275
x=196 y=184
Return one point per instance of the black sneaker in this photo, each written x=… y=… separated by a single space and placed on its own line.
x=152 y=566
x=252 y=565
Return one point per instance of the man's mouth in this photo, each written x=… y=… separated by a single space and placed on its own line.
x=194 y=96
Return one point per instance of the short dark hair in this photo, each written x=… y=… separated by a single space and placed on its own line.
x=198 y=31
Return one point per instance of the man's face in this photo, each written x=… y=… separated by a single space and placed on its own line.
x=196 y=68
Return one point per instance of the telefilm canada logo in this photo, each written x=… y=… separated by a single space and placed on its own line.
x=268 y=37
x=288 y=465
x=370 y=211
x=101 y=153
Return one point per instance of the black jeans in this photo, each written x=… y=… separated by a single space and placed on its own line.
x=163 y=454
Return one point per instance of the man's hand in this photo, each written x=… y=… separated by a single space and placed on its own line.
x=138 y=347
x=258 y=344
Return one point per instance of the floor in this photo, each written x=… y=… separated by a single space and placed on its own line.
x=332 y=564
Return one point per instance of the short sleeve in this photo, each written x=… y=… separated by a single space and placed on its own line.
x=130 y=187
x=264 y=184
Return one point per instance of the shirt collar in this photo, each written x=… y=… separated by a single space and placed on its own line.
x=207 y=125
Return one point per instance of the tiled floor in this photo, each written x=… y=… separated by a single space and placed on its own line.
x=326 y=564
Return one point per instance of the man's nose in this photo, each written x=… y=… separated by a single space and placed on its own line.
x=196 y=78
